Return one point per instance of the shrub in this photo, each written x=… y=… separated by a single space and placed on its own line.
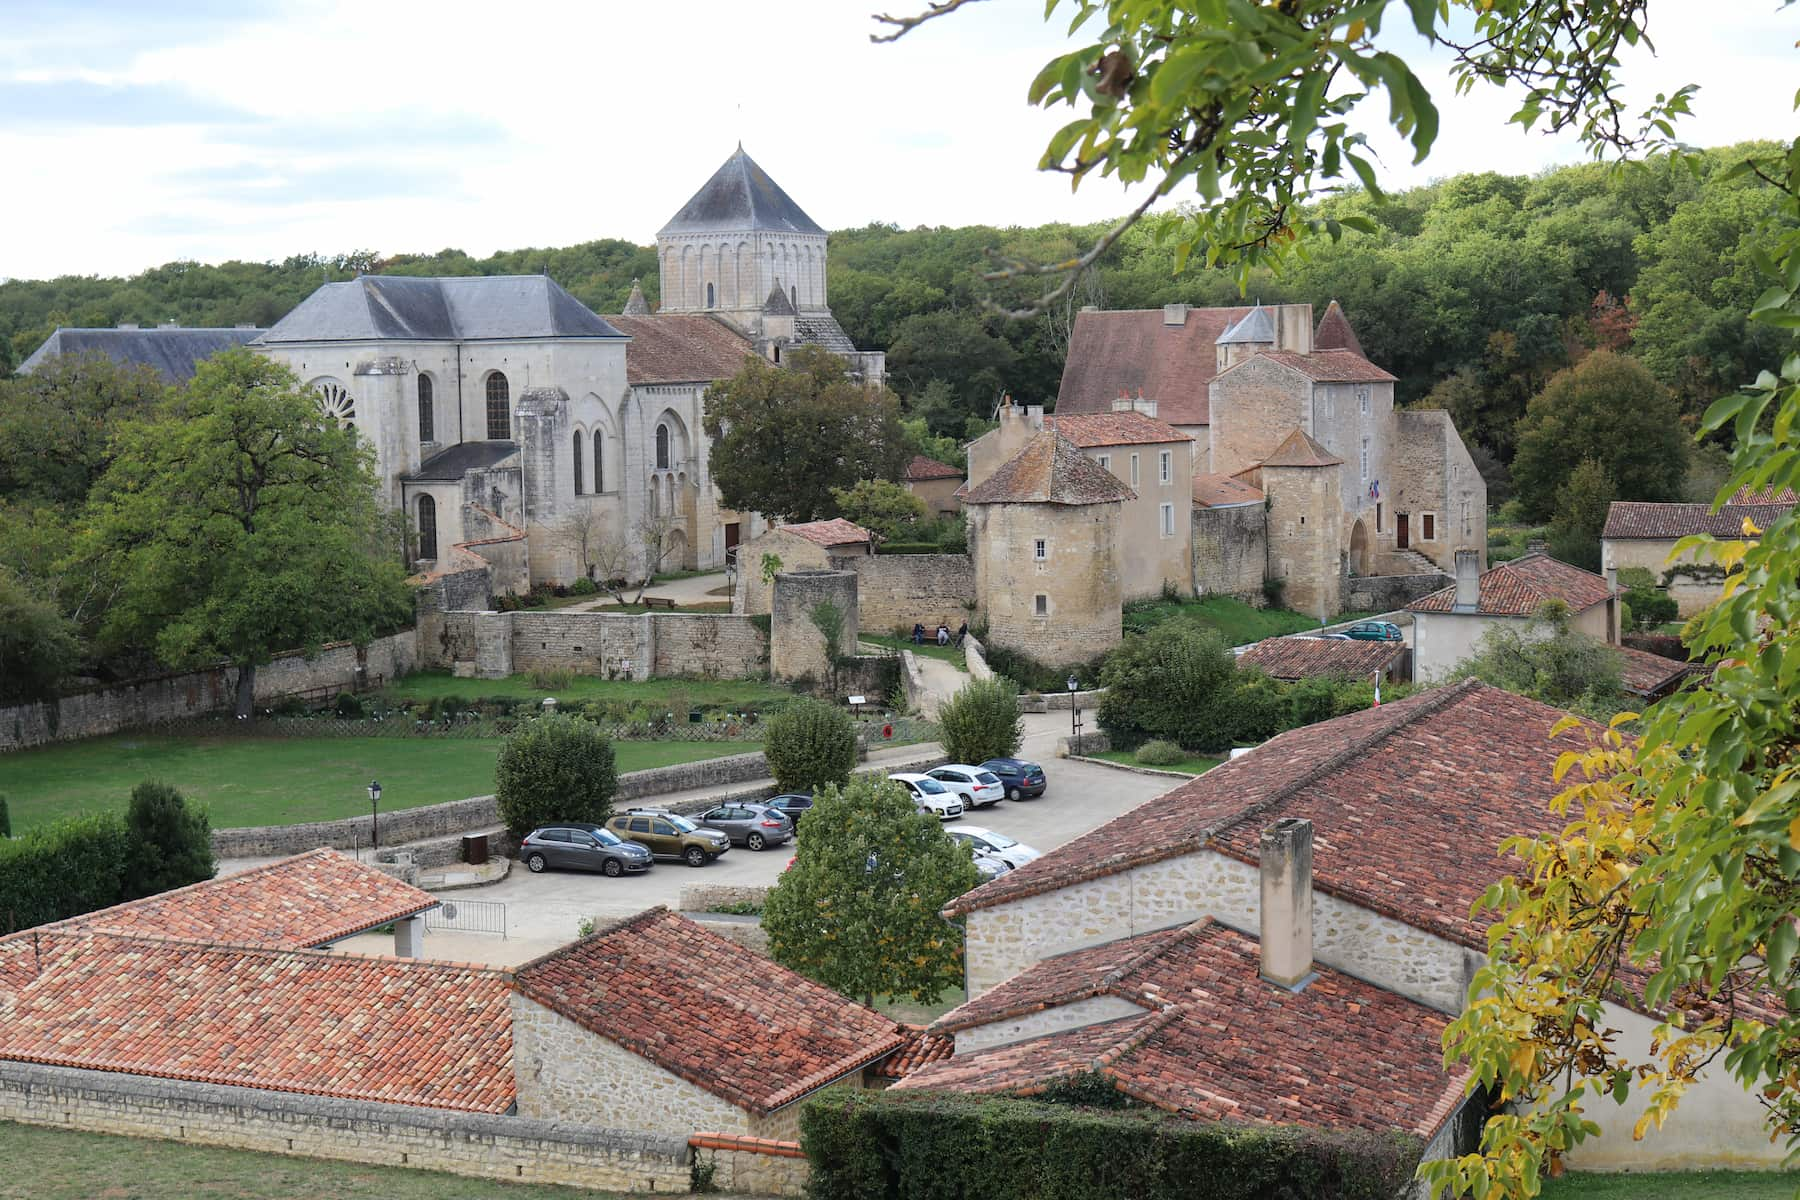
x=290 y=706
x=555 y=768
x=1272 y=590
x=809 y=744
x=5 y=819
x=1255 y=709
x=63 y=870
x=171 y=842
x=981 y=722
x=348 y=705
x=583 y=587
x=550 y=679
x=1175 y=683
x=1034 y=676
x=1650 y=607
x=1310 y=701
x=1158 y=753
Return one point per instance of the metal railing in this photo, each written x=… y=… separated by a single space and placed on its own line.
x=468 y=916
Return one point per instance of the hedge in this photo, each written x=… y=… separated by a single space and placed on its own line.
x=63 y=870
x=924 y=1146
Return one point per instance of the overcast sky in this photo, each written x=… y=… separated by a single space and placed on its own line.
x=135 y=134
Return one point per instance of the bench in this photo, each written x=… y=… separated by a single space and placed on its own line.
x=659 y=602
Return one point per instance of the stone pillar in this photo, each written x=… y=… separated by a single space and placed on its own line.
x=796 y=647
x=493 y=645
x=409 y=937
x=1285 y=851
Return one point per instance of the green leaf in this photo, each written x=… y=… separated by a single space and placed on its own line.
x=1783 y=941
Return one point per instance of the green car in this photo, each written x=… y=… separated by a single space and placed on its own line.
x=670 y=835
x=1374 y=631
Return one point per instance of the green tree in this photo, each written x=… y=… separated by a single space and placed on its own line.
x=555 y=768
x=241 y=523
x=38 y=647
x=170 y=840
x=785 y=437
x=981 y=721
x=1175 y=683
x=858 y=910
x=5 y=819
x=953 y=348
x=1549 y=661
x=1581 y=506
x=59 y=424
x=809 y=744
x=888 y=509
x=1610 y=409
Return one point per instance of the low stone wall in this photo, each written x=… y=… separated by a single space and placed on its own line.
x=1231 y=552
x=1087 y=701
x=479 y=1145
x=757 y=1165
x=975 y=658
x=168 y=697
x=894 y=592
x=1093 y=741
x=1383 y=593
x=708 y=897
x=493 y=645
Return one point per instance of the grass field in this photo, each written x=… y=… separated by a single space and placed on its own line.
x=1198 y=764
x=951 y=654
x=1682 y=1185
x=278 y=781
x=712 y=693
x=61 y=1164
x=1237 y=621
x=699 y=606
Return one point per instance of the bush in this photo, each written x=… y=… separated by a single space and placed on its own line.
x=809 y=744
x=1272 y=590
x=550 y=679
x=555 y=768
x=1650 y=607
x=1159 y=753
x=1034 y=676
x=1255 y=709
x=63 y=870
x=348 y=706
x=5 y=819
x=981 y=722
x=171 y=842
x=864 y=1144
x=1176 y=683
x=583 y=587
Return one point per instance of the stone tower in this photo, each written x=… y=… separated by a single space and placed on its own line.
x=1305 y=524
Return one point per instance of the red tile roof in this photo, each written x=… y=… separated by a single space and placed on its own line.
x=920 y=1048
x=1334 y=332
x=1298 y=449
x=1331 y=366
x=1628 y=519
x=1134 y=351
x=1114 y=429
x=929 y=468
x=699 y=1006
x=681 y=348
x=395 y=1030
x=1520 y=587
x=1049 y=470
x=307 y=900
x=1745 y=495
x=835 y=532
x=1650 y=675
x=1303 y=657
x=1217 y=1041
x=1408 y=801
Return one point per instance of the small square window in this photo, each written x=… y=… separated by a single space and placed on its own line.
x=1040 y=604
x=1104 y=460
x=1040 y=549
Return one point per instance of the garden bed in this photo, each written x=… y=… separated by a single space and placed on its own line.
x=1196 y=764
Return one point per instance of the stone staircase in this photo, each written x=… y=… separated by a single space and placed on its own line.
x=1418 y=564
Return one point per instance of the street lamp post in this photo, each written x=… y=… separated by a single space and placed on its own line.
x=1074 y=716
x=374 y=815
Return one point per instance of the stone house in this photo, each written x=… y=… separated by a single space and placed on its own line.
x=935 y=483
x=804 y=546
x=656 y=1023
x=1448 y=625
x=1231 y=532
x=1644 y=535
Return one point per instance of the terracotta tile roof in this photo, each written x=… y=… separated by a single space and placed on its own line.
x=1627 y=519
x=681 y=348
x=1309 y=657
x=835 y=532
x=1220 y=491
x=1114 y=429
x=1520 y=587
x=1746 y=495
x=929 y=468
x=1218 y=1041
x=1650 y=675
x=1049 y=470
x=1408 y=803
x=1298 y=449
x=1334 y=332
x=400 y=1031
x=1134 y=351
x=1331 y=366
x=307 y=900
x=920 y=1048
x=696 y=1004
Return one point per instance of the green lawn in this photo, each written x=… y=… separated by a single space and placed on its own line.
x=712 y=693
x=1198 y=764
x=279 y=781
x=701 y=606
x=951 y=654
x=61 y=1164
x=1240 y=623
x=1680 y=1185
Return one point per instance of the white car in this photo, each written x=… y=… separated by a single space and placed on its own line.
x=992 y=844
x=978 y=788
x=931 y=796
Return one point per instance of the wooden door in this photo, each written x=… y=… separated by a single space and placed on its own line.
x=1400 y=531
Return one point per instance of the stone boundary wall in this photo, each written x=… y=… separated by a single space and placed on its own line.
x=493 y=645
x=158 y=698
x=762 y=1166
x=1384 y=593
x=1231 y=550
x=896 y=591
x=707 y=897
x=1061 y=701
x=473 y=1144
x=975 y=658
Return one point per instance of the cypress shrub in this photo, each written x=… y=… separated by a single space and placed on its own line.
x=809 y=744
x=555 y=768
x=171 y=842
x=981 y=721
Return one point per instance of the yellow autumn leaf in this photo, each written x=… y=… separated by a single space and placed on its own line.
x=1794 y=833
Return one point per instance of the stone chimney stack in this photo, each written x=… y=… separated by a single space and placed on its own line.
x=1123 y=403
x=1468 y=582
x=1147 y=407
x=1536 y=546
x=1286 y=851
x=1175 y=314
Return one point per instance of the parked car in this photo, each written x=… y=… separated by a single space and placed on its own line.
x=931 y=796
x=794 y=804
x=989 y=868
x=581 y=846
x=977 y=787
x=752 y=825
x=670 y=835
x=1022 y=779
x=994 y=844
x=1375 y=631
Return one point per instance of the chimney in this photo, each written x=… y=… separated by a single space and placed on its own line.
x=1468 y=582
x=128 y=325
x=1123 y=403
x=1286 y=851
x=1147 y=407
x=1034 y=416
x=168 y=325
x=1175 y=314
x=1536 y=546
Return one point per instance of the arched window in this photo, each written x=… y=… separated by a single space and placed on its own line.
x=794 y=297
x=710 y=298
x=662 y=447
x=499 y=408
x=577 y=448
x=427 y=426
x=427 y=527
x=599 y=462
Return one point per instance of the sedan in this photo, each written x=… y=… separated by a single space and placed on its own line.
x=582 y=847
x=988 y=868
x=994 y=844
x=752 y=825
x=1023 y=780
x=977 y=787
x=930 y=796
x=1375 y=631
x=794 y=804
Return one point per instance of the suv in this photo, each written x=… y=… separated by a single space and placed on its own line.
x=583 y=846
x=752 y=825
x=1022 y=780
x=669 y=835
x=931 y=796
x=1374 y=631
x=978 y=788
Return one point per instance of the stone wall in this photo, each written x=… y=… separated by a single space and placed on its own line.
x=796 y=647
x=479 y=1145
x=895 y=591
x=796 y=554
x=493 y=645
x=167 y=697
x=1231 y=550
x=1388 y=593
x=758 y=1166
x=1254 y=405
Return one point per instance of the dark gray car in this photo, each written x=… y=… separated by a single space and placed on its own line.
x=580 y=846
x=752 y=825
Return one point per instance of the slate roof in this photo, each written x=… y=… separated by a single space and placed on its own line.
x=681 y=348
x=1408 y=803
x=1520 y=587
x=1257 y=326
x=1630 y=519
x=699 y=1006
x=457 y=308
x=740 y=197
x=1298 y=449
x=452 y=463
x=307 y=900
x=1329 y=366
x=1132 y=350
x=921 y=468
x=172 y=353
x=635 y=304
x=1222 y=491
x=1049 y=470
x=1217 y=1041
x=822 y=329
x=1303 y=657
x=835 y=532
x=1114 y=429
x=920 y=1048
x=395 y=1030
x=1334 y=331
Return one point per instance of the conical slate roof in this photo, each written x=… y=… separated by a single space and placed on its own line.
x=635 y=304
x=1334 y=331
x=1300 y=450
x=778 y=304
x=739 y=198
x=1050 y=470
x=1258 y=325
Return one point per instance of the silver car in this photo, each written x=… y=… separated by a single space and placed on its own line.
x=581 y=846
x=994 y=844
x=752 y=825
